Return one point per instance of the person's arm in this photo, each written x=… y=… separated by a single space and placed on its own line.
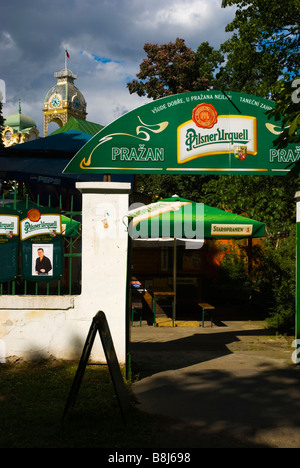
x=48 y=265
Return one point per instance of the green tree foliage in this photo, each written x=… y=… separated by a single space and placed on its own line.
x=165 y=186
x=271 y=26
x=263 y=58
x=268 y=288
x=264 y=198
x=264 y=46
x=287 y=110
x=278 y=278
x=174 y=68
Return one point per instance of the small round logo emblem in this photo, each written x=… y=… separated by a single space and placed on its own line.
x=34 y=215
x=205 y=115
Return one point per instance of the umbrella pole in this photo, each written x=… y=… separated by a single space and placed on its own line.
x=174 y=278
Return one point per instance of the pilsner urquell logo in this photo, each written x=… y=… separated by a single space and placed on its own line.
x=7 y=226
x=208 y=134
x=205 y=116
x=30 y=227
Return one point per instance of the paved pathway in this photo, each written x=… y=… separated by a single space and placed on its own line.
x=227 y=386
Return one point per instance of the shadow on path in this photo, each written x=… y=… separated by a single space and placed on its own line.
x=219 y=397
x=162 y=350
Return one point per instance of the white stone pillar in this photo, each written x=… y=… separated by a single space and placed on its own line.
x=104 y=256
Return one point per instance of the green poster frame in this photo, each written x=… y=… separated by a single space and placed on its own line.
x=41 y=241
x=29 y=256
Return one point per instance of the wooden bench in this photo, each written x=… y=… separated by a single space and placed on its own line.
x=205 y=309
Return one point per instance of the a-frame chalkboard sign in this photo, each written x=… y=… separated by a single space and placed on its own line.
x=100 y=325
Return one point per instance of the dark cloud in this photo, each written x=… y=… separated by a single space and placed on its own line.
x=105 y=40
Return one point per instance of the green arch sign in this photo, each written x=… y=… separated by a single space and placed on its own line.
x=205 y=132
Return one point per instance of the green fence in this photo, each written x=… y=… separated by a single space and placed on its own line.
x=70 y=281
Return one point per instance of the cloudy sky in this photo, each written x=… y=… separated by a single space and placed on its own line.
x=105 y=40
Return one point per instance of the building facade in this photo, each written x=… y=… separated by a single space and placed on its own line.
x=19 y=128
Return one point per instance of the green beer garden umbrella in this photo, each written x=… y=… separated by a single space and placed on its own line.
x=177 y=219
x=186 y=220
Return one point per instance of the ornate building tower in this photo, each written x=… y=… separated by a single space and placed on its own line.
x=63 y=101
x=19 y=128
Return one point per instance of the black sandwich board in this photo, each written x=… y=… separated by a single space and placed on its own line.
x=100 y=325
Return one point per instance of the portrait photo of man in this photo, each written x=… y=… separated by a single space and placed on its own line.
x=42 y=261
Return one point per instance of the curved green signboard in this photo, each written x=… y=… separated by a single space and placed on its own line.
x=205 y=132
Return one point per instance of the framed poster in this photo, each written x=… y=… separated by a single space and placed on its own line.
x=42 y=260
x=41 y=244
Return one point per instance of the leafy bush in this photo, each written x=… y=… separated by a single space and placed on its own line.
x=282 y=261
x=270 y=279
